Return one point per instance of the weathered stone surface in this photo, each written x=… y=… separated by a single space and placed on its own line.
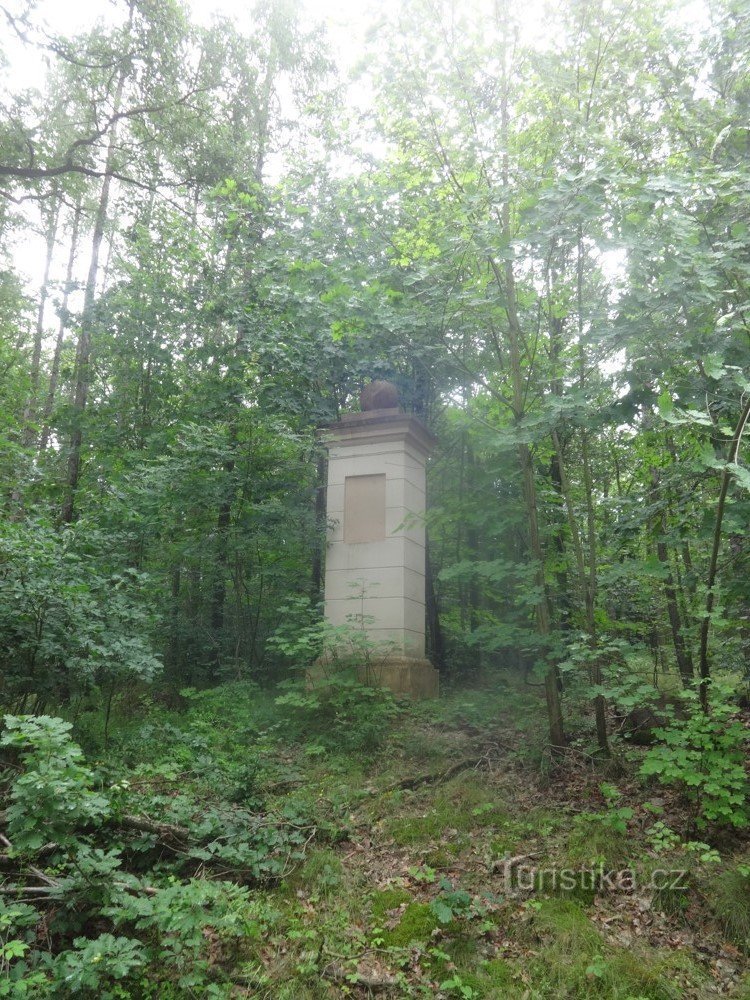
x=412 y=676
x=375 y=564
x=379 y=396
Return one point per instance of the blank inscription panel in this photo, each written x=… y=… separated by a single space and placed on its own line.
x=364 y=508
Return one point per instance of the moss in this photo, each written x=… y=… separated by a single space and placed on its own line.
x=385 y=900
x=416 y=925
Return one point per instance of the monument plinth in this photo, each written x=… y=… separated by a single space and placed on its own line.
x=375 y=561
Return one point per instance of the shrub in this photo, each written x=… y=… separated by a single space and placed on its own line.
x=703 y=756
x=54 y=792
x=340 y=714
x=68 y=623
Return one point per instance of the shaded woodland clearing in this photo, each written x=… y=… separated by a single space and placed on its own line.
x=543 y=239
x=401 y=874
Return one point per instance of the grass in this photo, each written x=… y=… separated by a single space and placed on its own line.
x=590 y=842
x=544 y=944
x=729 y=897
x=360 y=900
x=572 y=960
x=460 y=807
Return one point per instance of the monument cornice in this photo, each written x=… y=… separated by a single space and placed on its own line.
x=379 y=427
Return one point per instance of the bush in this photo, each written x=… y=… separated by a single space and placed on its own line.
x=340 y=714
x=703 y=755
x=54 y=792
x=68 y=624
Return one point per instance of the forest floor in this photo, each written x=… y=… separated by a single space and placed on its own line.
x=426 y=850
x=469 y=867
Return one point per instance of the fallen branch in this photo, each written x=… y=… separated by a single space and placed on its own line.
x=167 y=831
x=431 y=779
x=28 y=890
x=339 y=975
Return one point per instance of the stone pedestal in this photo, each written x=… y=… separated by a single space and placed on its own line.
x=375 y=562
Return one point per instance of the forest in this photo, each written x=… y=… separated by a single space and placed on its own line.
x=534 y=220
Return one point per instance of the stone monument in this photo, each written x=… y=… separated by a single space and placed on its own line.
x=375 y=561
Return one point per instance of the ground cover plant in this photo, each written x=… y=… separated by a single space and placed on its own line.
x=185 y=860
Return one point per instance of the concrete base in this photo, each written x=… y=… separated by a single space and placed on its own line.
x=416 y=678
x=412 y=676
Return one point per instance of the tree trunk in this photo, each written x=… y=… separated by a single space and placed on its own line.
x=30 y=414
x=506 y=282
x=436 y=640
x=219 y=591
x=62 y=327
x=682 y=652
x=734 y=448
x=83 y=354
x=316 y=569
x=584 y=582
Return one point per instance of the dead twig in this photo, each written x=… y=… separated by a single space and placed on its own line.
x=337 y=974
x=431 y=779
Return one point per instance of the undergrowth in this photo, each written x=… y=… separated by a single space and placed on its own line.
x=247 y=843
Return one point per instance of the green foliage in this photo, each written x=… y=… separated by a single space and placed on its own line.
x=179 y=918
x=17 y=936
x=175 y=932
x=453 y=903
x=703 y=756
x=67 y=625
x=96 y=964
x=339 y=712
x=53 y=794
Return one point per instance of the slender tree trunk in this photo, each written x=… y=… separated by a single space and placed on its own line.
x=62 y=327
x=316 y=570
x=525 y=461
x=562 y=603
x=584 y=582
x=589 y=583
x=506 y=282
x=562 y=599
x=30 y=414
x=219 y=591
x=83 y=354
x=473 y=595
x=232 y=380
x=734 y=448
x=436 y=647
